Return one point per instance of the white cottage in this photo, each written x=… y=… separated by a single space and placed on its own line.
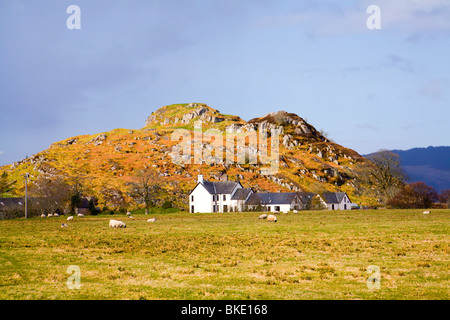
x=337 y=200
x=213 y=196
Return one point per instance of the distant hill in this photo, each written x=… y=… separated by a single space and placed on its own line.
x=431 y=165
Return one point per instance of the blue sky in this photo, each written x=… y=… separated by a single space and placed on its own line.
x=368 y=89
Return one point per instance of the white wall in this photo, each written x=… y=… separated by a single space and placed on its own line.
x=202 y=200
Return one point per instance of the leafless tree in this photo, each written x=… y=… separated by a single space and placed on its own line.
x=146 y=187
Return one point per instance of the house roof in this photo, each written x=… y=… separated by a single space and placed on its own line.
x=334 y=197
x=305 y=197
x=241 y=194
x=220 y=187
x=271 y=198
x=7 y=202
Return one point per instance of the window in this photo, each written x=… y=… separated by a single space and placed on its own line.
x=225 y=208
x=224 y=197
x=192 y=198
x=332 y=207
x=192 y=209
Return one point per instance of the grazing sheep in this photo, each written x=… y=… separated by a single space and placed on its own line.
x=64 y=225
x=128 y=213
x=427 y=212
x=271 y=218
x=50 y=215
x=42 y=215
x=285 y=212
x=130 y=217
x=151 y=220
x=56 y=215
x=295 y=212
x=116 y=224
x=276 y=212
x=263 y=216
x=81 y=215
x=70 y=218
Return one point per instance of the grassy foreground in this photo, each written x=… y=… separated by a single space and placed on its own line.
x=312 y=255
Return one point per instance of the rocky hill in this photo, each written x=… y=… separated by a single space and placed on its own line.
x=108 y=161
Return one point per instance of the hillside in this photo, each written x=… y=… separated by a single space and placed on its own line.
x=430 y=165
x=108 y=161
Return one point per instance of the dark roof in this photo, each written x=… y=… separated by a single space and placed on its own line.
x=241 y=194
x=305 y=197
x=271 y=198
x=220 y=187
x=333 y=197
x=8 y=202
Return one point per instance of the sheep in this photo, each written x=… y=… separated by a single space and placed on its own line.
x=116 y=224
x=263 y=216
x=128 y=213
x=70 y=218
x=295 y=212
x=130 y=217
x=56 y=215
x=81 y=215
x=42 y=215
x=151 y=220
x=63 y=225
x=285 y=212
x=271 y=218
x=50 y=215
x=427 y=212
x=276 y=212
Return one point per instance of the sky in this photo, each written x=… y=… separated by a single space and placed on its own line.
x=368 y=89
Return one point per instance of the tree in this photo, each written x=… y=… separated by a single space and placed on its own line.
x=5 y=185
x=444 y=197
x=49 y=194
x=386 y=174
x=414 y=195
x=146 y=187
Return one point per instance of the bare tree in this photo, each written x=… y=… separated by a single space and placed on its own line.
x=386 y=174
x=49 y=194
x=146 y=187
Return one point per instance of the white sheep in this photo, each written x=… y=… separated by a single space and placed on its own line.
x=81 y=215
x=116 y=224
x=295 y=212
x=271 y=218
x=70 y=218
x=427 y=212
x=128 y=213
x=151 y=220
x=285 y=212
x=263 y=216
x=130 y=217
x=276 y=212
x=50 y=215
x=56 y=215
x=42 y=215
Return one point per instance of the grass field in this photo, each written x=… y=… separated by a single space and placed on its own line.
x=312 y=255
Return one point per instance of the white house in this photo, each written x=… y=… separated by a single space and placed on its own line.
x=337 y=200
x=275 y=201
x=213 y=196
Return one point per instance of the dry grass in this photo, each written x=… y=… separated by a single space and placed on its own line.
x=313 y=255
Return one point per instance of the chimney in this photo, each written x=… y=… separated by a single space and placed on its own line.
x=200 y=178
x=237 y=178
